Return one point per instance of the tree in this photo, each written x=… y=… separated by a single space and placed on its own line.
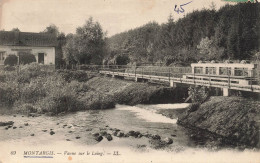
x=70 y=50
x=61 y=39
x=16 y=30
x=122 y=60
x=209 y=50
x=52 y=29
x=90 y=43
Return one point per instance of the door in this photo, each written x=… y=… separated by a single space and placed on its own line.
x=41 y=58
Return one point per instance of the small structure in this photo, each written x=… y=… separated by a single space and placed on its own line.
x=41 y=45
x=242 y=74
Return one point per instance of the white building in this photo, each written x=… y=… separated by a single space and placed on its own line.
x=41 y=45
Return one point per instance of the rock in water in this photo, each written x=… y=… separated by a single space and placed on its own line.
x=99 y=138
x=115 y=133
x=131 y=133
x=6 y=123
x=52 y=132
x=32 y=134
x=14 y=127
x=156 y=137
x=120 y=134
x=26 y=124
x=168 y=140
x=96 y=134
x=103 y=133
x=109 y=137
x=78 y=137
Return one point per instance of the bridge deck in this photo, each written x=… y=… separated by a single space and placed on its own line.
x=169 y=79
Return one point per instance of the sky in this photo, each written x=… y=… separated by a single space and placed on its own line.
x=115 y=16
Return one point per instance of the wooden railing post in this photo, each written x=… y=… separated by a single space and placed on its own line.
x=228 y=78
x=251 y=82
x=142 y=72
x=169 y=74
x=135 y=70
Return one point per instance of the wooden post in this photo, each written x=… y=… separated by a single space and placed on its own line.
x=228 y=79
x=169 y=74
x=135 y=70
x=142 y=72
x=251 y=82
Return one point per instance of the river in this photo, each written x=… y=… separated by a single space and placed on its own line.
x=74 y=132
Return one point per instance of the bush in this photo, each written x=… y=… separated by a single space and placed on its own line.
x=31 y=71
x=11 y=60
x=25 y=107
x=26 y=58
x=9 y=93
x=122 y=60
x=60 y=102
x=9 y=68
x=68 y=75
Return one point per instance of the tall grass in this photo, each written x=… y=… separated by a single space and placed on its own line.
x=40 y=89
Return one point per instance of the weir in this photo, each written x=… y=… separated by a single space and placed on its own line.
x=226 y=76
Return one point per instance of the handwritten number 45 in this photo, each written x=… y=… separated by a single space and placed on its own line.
x=180 y=10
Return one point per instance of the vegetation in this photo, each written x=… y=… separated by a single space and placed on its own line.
x=87 y=46
x=11 y=60
x=26 y=58
x=232 y=32
x=38 y=88
x=232 y=119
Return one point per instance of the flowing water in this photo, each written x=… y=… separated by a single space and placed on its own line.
x=74 y=131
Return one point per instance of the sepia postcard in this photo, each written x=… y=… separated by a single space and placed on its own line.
x=130 y=81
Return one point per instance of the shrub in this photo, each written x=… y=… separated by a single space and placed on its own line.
x=26 y=58
x=122 y=60
x=198 y=94
x=11 y=60
x=9 y=93
x=9 y=68
x=31 y=71
x=60 y=102
x=25 y=107
x=68 y=75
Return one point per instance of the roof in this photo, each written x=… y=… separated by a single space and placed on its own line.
x=12 y=38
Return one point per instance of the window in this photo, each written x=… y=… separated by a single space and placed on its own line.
x=241 y=72
x=211 y=70
x=224 y=71
x=198 y=70
x=2 y=56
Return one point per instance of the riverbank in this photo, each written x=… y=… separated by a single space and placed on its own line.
x=36 y=89
x=230 y=120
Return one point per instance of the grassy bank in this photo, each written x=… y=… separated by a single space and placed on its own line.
x=37 y=89
x=234 y=120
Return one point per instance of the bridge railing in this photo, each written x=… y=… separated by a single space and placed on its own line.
x=170 y=72
x=151 y=70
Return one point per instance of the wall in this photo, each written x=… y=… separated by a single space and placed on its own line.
x=49 y=57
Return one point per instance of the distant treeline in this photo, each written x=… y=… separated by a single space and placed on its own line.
x=232 y=32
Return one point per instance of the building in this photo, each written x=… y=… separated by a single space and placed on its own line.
x=41 y=45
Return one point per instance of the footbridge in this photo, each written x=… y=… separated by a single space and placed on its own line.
x=227 y=76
